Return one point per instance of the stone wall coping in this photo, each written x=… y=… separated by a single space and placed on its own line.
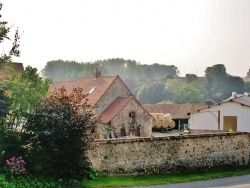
x=144 y=139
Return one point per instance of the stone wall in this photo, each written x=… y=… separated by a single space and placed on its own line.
x=199 y=131
x=170 y=154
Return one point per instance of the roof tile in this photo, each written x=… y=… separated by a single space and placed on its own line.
x=177 y=111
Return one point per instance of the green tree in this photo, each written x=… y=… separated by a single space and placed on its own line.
x=4 y=107
x=4 y=35
x=58 y=135
x=220 y=84
x=142 y=94
x=188 y=94
x=190 y=78
x=25 y=90
x=171 y=88
x=151 y=94
x=128 y=70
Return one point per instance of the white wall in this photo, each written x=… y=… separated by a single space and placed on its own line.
x=206 y=119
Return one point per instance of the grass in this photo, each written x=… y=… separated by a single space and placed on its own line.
x=156 y=179
x=27 y=181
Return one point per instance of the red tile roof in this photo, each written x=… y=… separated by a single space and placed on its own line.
x=98 y=85
x=109 y=113
x=177 y=111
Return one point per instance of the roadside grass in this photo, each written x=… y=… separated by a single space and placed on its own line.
x=167 y=178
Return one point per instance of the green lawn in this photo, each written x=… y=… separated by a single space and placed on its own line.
x=156 y=179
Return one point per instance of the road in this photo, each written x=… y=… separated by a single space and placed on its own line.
x=228 y=182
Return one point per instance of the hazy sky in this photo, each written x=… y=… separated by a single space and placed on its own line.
x=190 y=34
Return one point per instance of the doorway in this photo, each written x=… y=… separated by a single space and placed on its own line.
x=230 y=123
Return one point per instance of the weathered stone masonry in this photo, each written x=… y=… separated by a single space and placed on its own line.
x=169 y=154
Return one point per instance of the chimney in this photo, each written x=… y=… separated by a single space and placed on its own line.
x=234 y=93
x=96 y=73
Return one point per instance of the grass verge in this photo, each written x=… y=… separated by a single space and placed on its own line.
x=156 y=179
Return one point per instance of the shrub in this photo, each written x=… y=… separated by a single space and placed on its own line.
x=57 y=135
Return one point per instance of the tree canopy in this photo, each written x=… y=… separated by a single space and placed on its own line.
x=4 y=36
x=220 y=84
x=25 y=90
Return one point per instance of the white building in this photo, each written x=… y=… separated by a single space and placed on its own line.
x=232 y=114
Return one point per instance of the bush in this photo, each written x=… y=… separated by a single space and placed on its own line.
x=57 y=135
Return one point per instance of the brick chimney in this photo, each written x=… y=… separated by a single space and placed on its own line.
x=96 y=73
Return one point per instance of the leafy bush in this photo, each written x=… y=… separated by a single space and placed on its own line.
x=57 y=135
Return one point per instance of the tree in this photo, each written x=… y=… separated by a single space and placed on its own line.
x=248 y=74
x=190 y=78
x=188 y=94
x=58 y=134
x=25 y=90
x=142 y=94
x=128 y=70
x=151 y=94
x=171 y=88
x=4 y=107
x=220 y=84
x=14 y=50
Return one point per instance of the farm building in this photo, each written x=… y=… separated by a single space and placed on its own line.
x=178 y=112
x=7 y=68
x=119 y=112
x=232 y=114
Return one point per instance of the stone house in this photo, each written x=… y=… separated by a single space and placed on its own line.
x=178 y=112
x=120 y=114
x=232 y=114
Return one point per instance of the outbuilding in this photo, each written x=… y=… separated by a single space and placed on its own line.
x=232 y=114
x=178 y=112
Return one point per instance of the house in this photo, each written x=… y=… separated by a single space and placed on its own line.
x=7 y=68
x=178 y=112
x=232 y=114
x=119 y=112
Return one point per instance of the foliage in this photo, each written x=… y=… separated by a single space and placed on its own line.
x=4 y=32
x=217 y=85
x=4 y=107
x=188 y=94
x=25 y=90
x=220 y=84
x=59 y=70
x=31 y=181
x=209 y=102
x=57 y=133
x=190 y=78
x=151 y=94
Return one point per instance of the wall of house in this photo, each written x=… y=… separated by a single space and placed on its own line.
x=207 y=119
x=142 y=120
x=117 y=89
x=170 y=154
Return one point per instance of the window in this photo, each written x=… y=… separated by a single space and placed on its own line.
x=132 y=117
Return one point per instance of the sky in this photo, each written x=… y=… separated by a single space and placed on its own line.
x=190 y=34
